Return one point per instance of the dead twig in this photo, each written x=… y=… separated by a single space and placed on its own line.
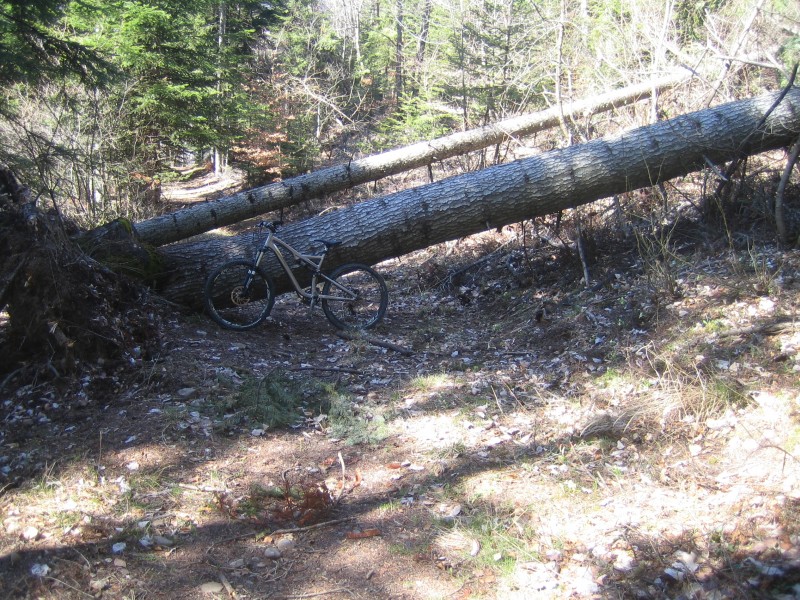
x=582 y=255
x=332 y=369
x=341 y=490
x=227 y=585
x=310 y=527
x=245 y=536
x=200 y=488
x=317 y=594
x=352 y=336
x=72 y=587
x=9 y=377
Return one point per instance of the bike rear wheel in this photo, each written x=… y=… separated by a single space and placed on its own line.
x=238 y=295
x=363 y=311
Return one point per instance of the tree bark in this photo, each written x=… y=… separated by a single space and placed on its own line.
x=232 y=209
x=400 y=223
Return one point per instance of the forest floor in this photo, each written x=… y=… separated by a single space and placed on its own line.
x=525 y=437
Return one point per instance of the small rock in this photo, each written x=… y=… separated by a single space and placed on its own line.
x=687 y=561
x=284 y=545
x=765 y=569
x=186 y=392
x=39 y=570
x=30 y=533
x=624 y=562
x=585 y=586
x=69 y=504
x=579 y=557
x=555 y=555
x=237 y=563
x=272 y=552
x=97 y=585
x=674 y=574
x=118 y=548
x=257 y=432
x=160 y=540
x=211 y=587
x=450 y=512
x=118 y=562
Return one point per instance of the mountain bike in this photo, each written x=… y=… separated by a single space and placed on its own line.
x=239 y=294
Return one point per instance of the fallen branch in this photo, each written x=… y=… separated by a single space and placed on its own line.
x=775 y=328
x=351 y=336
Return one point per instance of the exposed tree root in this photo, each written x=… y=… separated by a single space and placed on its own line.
x=65 y=311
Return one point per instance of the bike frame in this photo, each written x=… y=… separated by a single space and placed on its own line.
x=311 y=261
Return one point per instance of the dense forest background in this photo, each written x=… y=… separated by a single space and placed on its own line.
x=102 y=100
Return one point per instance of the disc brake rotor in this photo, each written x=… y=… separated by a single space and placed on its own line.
x=238 y=297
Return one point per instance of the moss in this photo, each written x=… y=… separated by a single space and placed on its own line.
x=126 y=224
x=115 y=246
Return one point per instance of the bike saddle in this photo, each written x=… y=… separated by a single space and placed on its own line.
x=328 y=244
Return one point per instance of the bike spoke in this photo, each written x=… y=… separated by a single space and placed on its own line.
x=362 y=302
x=239 y=296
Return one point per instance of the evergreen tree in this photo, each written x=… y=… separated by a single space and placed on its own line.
x=31 y=48
x=183 y=63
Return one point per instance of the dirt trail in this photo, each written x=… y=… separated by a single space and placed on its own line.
x=542 y=441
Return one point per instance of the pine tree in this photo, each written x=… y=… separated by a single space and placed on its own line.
x=32 y=49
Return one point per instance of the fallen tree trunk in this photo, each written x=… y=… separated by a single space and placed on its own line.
x=396 y=224
x=232 y=209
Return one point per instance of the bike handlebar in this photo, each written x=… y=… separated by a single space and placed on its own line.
x=271 y=225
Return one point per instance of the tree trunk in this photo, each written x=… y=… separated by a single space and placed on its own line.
x=394 y=225
x=225 y=211
x=423 y=32
x=399 y=52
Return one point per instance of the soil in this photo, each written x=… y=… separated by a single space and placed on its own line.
x=527 y=437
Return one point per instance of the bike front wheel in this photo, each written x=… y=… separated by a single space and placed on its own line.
x=238 y=295
x=360 y=299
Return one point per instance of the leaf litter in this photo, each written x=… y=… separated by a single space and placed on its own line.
x=542 y=440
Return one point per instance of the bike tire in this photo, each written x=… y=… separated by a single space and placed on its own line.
x=367 y=309
x=227 y=301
